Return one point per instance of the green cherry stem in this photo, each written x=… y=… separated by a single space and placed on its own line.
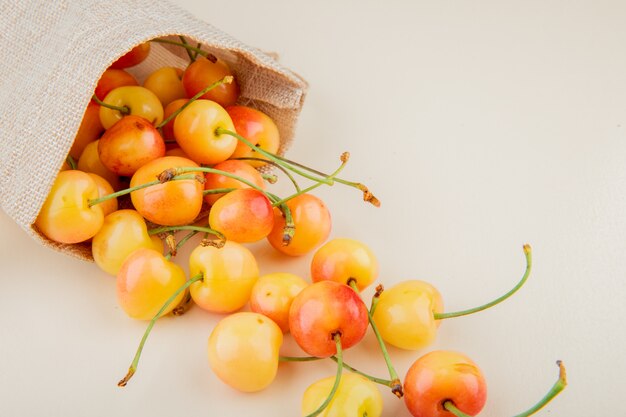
x=271 y=178
x=71 y=162
x=226 y=80
x=189 y=51
x=197 y=49
x=290 y=227
x=180 y=243
x=218 y=191
x=164 y=229
x=344 y=159
x=221 y=131
x=396 y=384
x=94 y=201
x=123 y=110
x=133 y=366
x=284 y=171
x=376 y=298
x=529 y=263
x=322 y=407
x=449 y=405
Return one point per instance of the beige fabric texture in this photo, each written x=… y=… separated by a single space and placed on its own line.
x=53 y=54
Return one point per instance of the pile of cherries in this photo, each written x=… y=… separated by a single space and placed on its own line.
x=189 y=157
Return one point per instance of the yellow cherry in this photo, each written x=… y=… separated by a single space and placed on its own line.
x=273 y=294
x=139 y=101
x=356 y=396
x=166 y=83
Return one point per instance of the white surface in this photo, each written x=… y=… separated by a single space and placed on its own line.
x=480 y=126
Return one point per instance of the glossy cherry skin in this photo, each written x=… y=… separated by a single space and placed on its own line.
x=172 y=203
x=242 y=216
x=229 y=273
x=405 y=314
x=342 y=260
x=66 y=216
x=90 y=129
x=243 y=351
x=104 y=188
x=89 y=161
x=356 y=396
x=133 y=57
x=322 y=310
x=122 y=233
x=312 y=221
x=195 y=131
x=258 y=128
x=441 y=376
x=273 y=294
x=140 y=102
x=202 y=73
x=129 y=144
x=145 y=281
x=166 y=83
x=238 y=168
x=111 y=79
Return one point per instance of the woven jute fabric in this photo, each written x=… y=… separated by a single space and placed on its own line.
x=53 y=54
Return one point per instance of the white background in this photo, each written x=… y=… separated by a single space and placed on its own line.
x=480 y=125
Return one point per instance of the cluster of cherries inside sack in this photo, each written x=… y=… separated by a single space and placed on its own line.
x=188 y=156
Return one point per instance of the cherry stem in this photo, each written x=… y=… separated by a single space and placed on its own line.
x=331 y=177
x=221 y=131
x=380 y=381
x=271 y=178
x=123 y=110
x=290 y=227
x=218 y=191
x=197 y=50
x=133 y=366
x=286 y=172
x=529 y=262
x=226 y=80
x=71 y=162
x=376 y=298
x=367 y=195
x=449 y=406
x=164 y=229
x=94 y=201
x=189 y=52
x=558 y=386
x=396 y=385
x=181 y=243
x=337 y=338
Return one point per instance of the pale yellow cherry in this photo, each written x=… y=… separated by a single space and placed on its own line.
x=122 y=233
x=243 y=351
x=405 y=314
x=104 y=188
x=89 y=161
x=166 y=83
x=272 y=296
x=356 y=396
x=138 y=101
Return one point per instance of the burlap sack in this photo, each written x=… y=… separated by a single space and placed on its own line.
x=52 y=56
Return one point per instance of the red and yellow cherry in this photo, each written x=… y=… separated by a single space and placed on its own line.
x=342 y=260
x=229 y=273
x=405 y=314
x=122 y=233
x=203 y=72
x=66 y=215
x=129 y=144
x=273 y=294
x=258 y=128
x=168 y=128
x=312 y=222
x=195 y=131
x=356 y=396
x=138 y=101
x=104 y=188
x=89 y=161
x=243 y=216
x=239 y=168
x=133 y=57
x=145 y=281
x=442 y=376
x=90 y=130
x=323 y=310
x=111 y=79
x=243 y=351
x=166 y=83
x=172 y=203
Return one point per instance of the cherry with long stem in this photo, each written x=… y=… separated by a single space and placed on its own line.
x=121 y=109
x=339 y=355
x=558 y=386
x=133 y=366
x=192 y=58
x=396 y=384
x=529 y=263
x=280 y=167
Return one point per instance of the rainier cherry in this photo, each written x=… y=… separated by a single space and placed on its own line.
x=166 y=84
x=258 y=128
x=243 y=351
x=273 y=294
x=203 y=72
x=345 y=260
x=89 y=161
x=111 y=79
x=356 y=396
x=123 y=101
x=89 y=130
x=238 y=168
x=133 y=57
x=243 y=216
